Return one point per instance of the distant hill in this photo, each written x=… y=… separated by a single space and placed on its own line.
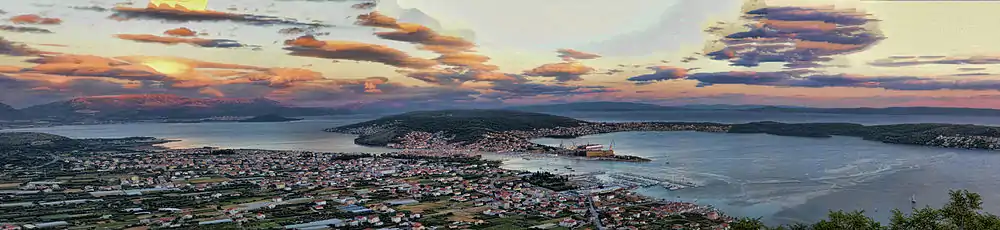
x=632 y=106
x=16 y=139
x=461 y=125
x=162 y=106
x=591 y=107
x=8 y=113
x=269 y=118
x=886 y=111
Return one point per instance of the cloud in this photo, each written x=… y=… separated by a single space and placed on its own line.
x=211 y=43
x=58 y=77
x=797 y=36
x=571 y=54
x=455 y=77
x=662 y=73
x=364 y=5
x=376 y=19
x=900 y=61
x=467 y=60
x=182 y=14
x=34 y=19
x=811 y=79
x=308 y=46
x=415 y=33
x=566 y=71
x=509 y=90
x=24 y=29
x=16 y=49
x=182 y=32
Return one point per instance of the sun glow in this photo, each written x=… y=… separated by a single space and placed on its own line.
x=168 y=67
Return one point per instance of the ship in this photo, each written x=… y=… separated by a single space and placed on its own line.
x=594 y=150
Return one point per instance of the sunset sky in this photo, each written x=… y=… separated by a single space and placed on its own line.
x=820 y=53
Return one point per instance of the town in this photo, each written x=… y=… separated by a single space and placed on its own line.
x=154 y=188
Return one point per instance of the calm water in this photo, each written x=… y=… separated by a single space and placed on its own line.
x=306 y=135
x=783 y=179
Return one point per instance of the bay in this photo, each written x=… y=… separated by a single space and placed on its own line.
x=782 y=179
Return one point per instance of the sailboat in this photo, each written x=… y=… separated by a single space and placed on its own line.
x=913 y=199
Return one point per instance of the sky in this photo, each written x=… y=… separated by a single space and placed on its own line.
x=330 y=53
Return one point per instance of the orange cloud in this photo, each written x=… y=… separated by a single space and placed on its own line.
x=283 y=77
x=308 y=46
x=376 y=19
x=182 y=31
x=826 y=46
x=161 y=39
x=34 y=19
x=566 y=71
x=428 y=38
x=797 y=25
x=181 y=13
x=414 y=33
x=459 y=76
x=468 y=60
x=570 y=54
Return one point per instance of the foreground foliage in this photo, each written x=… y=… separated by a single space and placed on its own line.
x=963 y=212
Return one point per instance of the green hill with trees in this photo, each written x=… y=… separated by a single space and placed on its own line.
x=460 y=125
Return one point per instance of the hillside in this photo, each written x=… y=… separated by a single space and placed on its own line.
x=632 y=106
x=8 y=113
x=886 y=111
x=591 y=107
x=940 y=135
x=24 y=149
x=459 y=125
x=160 y=106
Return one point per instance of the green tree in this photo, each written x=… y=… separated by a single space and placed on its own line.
x=855 y=220
x=963 y=212
x=747 y=223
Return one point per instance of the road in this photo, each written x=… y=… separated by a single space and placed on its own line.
x=594 y=215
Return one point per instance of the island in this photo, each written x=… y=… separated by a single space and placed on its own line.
x=512 y=131
x=269 y=118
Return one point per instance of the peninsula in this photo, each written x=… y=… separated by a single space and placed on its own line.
x=511 y=131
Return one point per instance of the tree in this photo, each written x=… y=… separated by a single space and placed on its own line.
x=855 y=220
x=963 y=212
x=747 y=223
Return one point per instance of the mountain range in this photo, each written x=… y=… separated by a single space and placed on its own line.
x=8 y=113
x=633 y=106
x=160 y=106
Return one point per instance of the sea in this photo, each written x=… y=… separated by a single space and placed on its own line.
x=782 y=180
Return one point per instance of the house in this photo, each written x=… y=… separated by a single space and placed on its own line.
x=568 y=222
x=320 y=202
x=260 y=216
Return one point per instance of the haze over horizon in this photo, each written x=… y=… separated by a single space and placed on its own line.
x=812 y=53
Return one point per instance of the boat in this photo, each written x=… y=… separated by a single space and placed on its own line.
x=913 y=200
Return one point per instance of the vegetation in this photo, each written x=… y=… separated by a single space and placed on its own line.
x=964 y=211
x=460 y=125
x=550 y=181
x=915 y=134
